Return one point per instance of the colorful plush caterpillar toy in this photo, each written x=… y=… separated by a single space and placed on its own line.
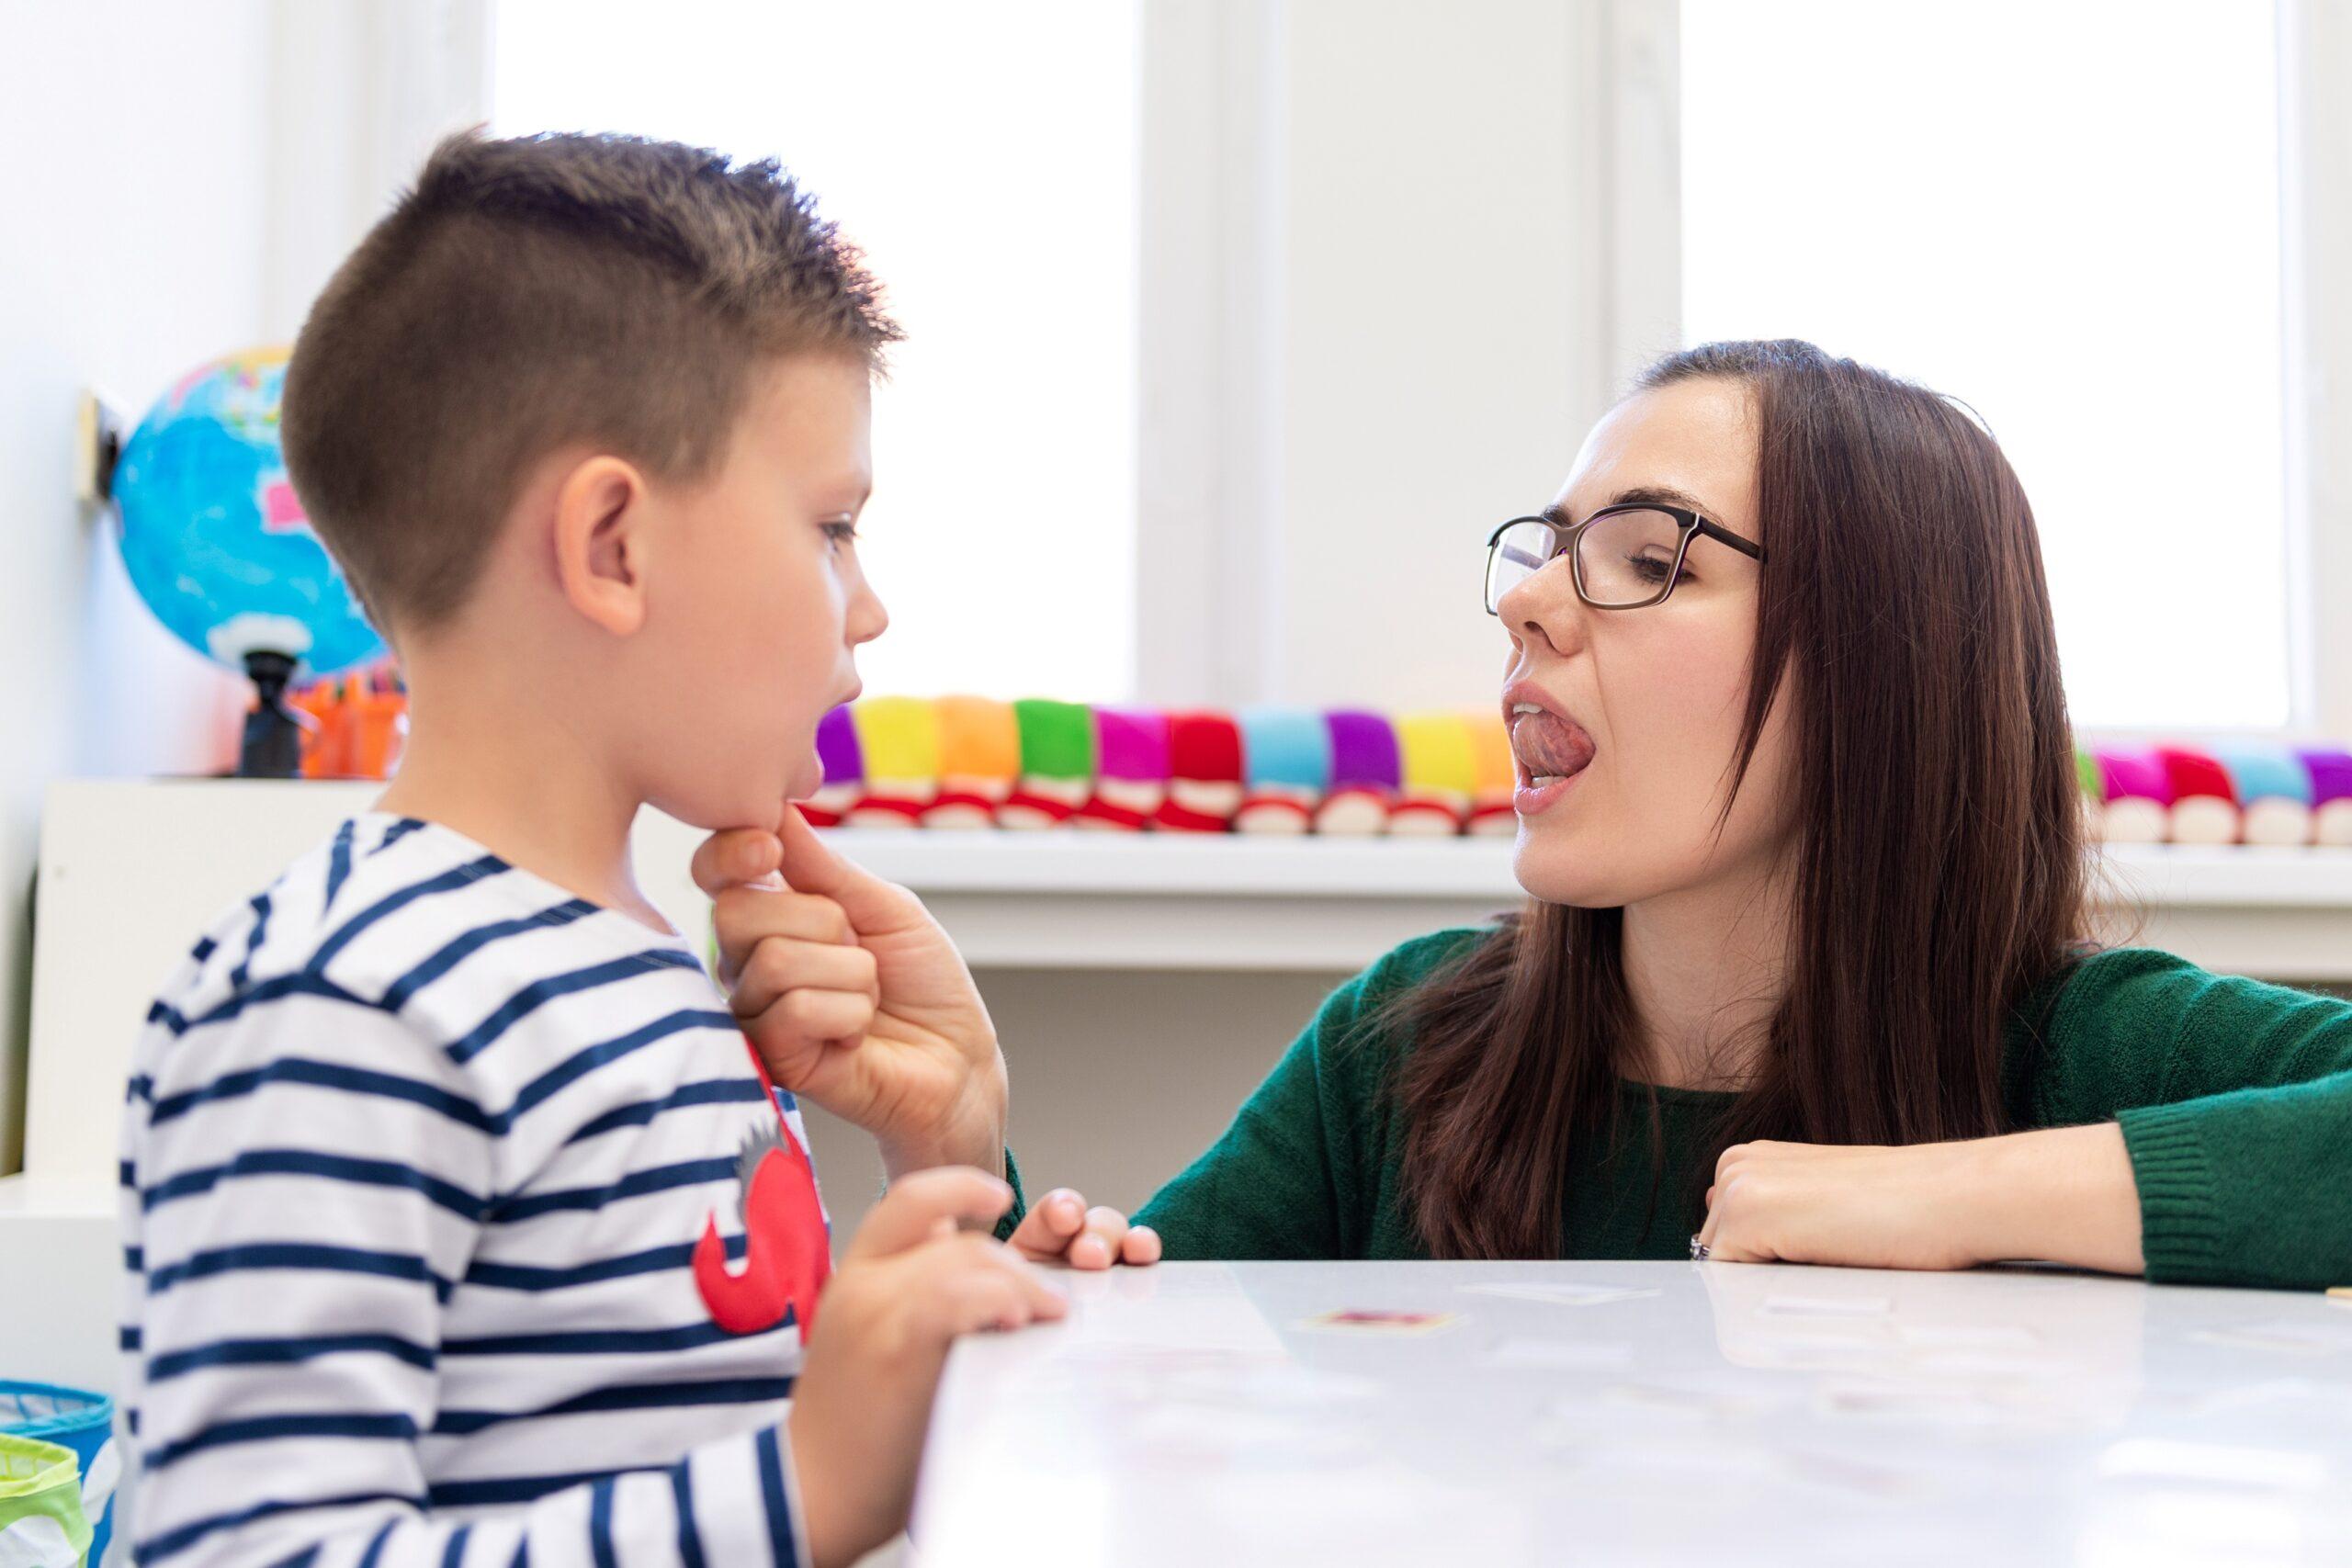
x=972 y=762
x=2236 y=794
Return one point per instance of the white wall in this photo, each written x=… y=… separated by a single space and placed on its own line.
x=178 y=181
x=132 y=138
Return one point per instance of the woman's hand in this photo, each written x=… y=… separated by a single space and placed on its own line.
x=855 y=997
x=2066 y=1195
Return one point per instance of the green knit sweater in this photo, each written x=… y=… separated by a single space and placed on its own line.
x=2235 y=1101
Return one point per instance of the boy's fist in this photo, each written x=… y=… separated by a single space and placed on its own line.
x=912 y=1280
x=855 y=997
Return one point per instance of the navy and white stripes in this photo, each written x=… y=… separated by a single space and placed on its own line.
x=417 y=1148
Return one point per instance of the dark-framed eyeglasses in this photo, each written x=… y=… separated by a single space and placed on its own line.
x=1622 y=557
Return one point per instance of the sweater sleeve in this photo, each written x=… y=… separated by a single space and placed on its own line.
x=2235 y=1102
x=1294 y=1176
x=286 y=1269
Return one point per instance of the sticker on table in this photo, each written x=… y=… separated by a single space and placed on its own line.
x=1365 y=1321
x=1563 y=1294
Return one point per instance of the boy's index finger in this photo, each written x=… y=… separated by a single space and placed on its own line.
x=734 y=856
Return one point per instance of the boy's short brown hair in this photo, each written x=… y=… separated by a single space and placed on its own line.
x=540 y=291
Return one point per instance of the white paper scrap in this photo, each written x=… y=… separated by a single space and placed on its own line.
x=1562 y=1294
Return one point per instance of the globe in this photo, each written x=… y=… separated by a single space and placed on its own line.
x=213 y=537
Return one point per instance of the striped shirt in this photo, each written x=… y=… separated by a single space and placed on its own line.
x=416 y=1154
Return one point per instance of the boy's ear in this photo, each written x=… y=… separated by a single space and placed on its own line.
x=601 y=542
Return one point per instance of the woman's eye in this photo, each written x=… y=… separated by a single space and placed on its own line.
x=841 y=533
x=1650 y=568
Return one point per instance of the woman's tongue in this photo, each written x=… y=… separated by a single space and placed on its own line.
x=1550 y=746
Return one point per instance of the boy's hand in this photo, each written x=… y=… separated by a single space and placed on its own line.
x=855 y=997
x=911 y=1284
x=1060 y=1228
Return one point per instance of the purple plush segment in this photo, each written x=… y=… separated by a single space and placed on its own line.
x=1132 y=744
x=2331 y=772
x=2140 y=774
x=837 y=747
x=1364 y=751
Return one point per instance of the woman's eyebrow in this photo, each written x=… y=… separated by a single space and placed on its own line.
x=1651 y=495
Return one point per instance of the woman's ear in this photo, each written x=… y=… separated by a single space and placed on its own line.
x=601 y=543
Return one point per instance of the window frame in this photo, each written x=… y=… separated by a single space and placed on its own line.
x=1208 y=457
x=2313 y=43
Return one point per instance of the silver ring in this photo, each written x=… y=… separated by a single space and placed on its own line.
x=1700 y=1251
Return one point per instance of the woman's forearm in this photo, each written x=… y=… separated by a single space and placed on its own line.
x=2062 y=1195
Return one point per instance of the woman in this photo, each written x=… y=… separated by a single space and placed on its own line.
x=1803 y=975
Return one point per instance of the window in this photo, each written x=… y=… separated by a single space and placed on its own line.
x=2065 y=212
x=1001 y=532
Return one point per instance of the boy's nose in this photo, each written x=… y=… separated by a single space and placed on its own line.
x=867 y=618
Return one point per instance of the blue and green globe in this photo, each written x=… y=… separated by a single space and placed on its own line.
x=212 y=534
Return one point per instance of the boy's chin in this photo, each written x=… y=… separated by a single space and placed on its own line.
x=805 y=780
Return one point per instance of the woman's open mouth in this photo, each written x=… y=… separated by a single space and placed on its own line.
x=1550 y=750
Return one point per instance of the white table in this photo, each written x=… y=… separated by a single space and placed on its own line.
x=1718 y=1414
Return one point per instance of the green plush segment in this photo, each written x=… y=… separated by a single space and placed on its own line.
x=1057 y=739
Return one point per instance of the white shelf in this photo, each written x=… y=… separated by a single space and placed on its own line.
x=1184 y=864
x=131 y=870
x=1238 y=867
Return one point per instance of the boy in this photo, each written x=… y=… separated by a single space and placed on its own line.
x=463 y=1226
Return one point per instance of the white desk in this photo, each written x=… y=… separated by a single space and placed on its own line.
x=1726 y=1414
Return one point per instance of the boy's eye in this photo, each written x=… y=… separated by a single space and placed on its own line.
x=840 y=532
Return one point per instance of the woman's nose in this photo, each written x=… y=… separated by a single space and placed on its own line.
x=1543 y=607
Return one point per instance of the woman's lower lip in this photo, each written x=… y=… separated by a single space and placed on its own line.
x=1531 y=798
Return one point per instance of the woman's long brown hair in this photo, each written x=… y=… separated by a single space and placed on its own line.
x=1939 y=879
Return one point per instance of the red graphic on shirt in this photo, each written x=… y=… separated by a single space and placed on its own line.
x=786 y=1254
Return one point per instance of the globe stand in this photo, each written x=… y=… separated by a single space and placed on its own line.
x=273 y=748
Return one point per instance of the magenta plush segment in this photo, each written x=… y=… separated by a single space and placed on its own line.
x=1364 y=751
x=837 y=747
x=2331 y=772
x=1132 y=744
x=2136 y=774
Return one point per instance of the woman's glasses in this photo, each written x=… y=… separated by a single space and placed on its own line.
x=1622 y=558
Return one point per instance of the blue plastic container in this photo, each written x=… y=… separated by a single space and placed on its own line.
x=76 y=1419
